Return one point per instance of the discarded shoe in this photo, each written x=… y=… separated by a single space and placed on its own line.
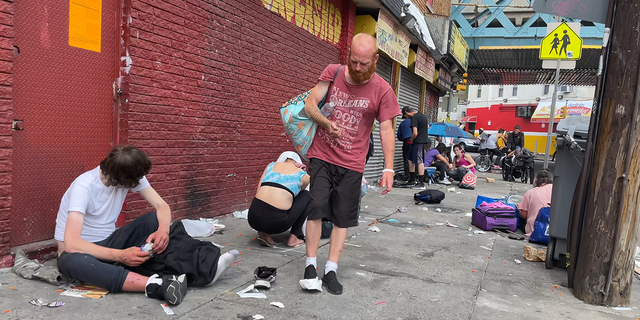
x=264 y=277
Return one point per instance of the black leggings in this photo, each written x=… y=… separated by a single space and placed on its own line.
x=267 y=218
x=442 y=168
x=494 y=152
x=106 y=274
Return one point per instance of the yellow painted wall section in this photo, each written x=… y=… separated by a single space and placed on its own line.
x=318 y=17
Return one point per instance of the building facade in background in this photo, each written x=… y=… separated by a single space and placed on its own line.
x=197 y=85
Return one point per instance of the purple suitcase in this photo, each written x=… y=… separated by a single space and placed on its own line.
x=494 y=218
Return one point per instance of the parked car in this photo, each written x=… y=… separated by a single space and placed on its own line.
x=470 y=143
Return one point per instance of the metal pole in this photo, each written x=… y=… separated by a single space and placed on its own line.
x=552 y=116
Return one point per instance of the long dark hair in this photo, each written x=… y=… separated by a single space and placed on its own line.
x=124 y=166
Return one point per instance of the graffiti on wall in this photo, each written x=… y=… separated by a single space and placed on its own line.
x=318 y=17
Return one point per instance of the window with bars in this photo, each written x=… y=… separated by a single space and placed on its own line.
x=479 y=95
x=501 y=92
x=515 y=91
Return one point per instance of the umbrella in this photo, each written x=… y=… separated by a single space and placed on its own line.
x=443 y=129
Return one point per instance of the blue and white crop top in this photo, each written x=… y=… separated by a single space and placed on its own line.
x=289 y=182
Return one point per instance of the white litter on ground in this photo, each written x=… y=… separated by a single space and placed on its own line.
x=622 y=309
x=485 y=248
x=361 y=274
x=468 y=214
x=438 y=209
x=517 y=261
x=258 y=317
x=167 y=310
x=277 y=304
x=373 y=229
x=251 y=292
x=241 y=214
x=479 y=232
x=311 y=284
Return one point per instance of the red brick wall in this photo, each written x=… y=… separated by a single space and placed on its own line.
x=6 y=118
x=202 y=93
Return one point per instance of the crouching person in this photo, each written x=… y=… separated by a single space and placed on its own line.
x=90 y=248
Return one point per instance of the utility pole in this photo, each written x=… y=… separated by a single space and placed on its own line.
x=604 y=221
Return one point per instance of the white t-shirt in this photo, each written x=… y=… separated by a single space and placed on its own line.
x=448 y=141
x=101 y=205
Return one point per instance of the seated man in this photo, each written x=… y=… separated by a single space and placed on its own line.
x=89 y=244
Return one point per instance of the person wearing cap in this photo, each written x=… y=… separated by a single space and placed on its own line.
x=404 y=134
x=419 y=136
x=281 y=201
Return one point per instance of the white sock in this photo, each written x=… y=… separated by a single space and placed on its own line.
x=313 y=261
x=224 y=262
x=330 y=266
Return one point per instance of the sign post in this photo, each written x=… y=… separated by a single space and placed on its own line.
x=560 y=44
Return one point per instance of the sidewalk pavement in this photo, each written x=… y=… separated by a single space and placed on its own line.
x=411 y=269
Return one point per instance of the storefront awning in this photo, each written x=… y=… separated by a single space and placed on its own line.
x=472 y=119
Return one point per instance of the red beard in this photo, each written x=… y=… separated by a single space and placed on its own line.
x=360 y=77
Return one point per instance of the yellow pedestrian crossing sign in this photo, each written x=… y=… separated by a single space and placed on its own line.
x=561 y=44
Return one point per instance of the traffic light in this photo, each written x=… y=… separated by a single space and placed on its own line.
x=462 y=85
x=563 y=112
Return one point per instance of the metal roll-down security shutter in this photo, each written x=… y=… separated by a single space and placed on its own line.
x=373 y=169
x=408 y=96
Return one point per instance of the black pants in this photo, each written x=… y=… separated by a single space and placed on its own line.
x=442 y=168
x=405 y=157
x=105 y=274
x=267 y=218
x=494 y=152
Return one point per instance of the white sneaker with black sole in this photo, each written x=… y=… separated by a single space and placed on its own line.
x=445 y=182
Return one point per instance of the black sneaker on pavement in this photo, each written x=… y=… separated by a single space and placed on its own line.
x=330 y=280
x=310 y=272
x=171 y=288
x=419 y=186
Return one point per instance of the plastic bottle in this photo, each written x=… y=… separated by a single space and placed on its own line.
x=327 y=109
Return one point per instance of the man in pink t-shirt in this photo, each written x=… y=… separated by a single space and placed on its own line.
x=536 y=199
x=338 y=153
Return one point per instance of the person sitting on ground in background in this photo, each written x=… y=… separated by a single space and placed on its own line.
x=281 y=201
x=492 y=148
x=462 y=163
x=435 y=158
x=536 y=199
x=89 y=244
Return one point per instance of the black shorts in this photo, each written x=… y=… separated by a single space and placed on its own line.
x=335 y=193
x=416 y=153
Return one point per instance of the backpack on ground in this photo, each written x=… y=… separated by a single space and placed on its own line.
x=429 y=196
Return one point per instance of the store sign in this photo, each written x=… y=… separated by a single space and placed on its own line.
x=580 y=108
x=392 y=40
x=425 y=65
x=444 y=79
x=458 y=47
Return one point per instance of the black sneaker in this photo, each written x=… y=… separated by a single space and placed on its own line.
x=170 y=288
x=310 y=272
x=418 y=186
x=330 y=280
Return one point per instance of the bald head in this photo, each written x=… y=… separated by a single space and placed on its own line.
x=364 y=44
x=362 y=58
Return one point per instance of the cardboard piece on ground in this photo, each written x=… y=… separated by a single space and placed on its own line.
x=85 y=291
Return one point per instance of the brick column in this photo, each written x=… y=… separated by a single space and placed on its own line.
x=348 y=26
x=6 y=118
